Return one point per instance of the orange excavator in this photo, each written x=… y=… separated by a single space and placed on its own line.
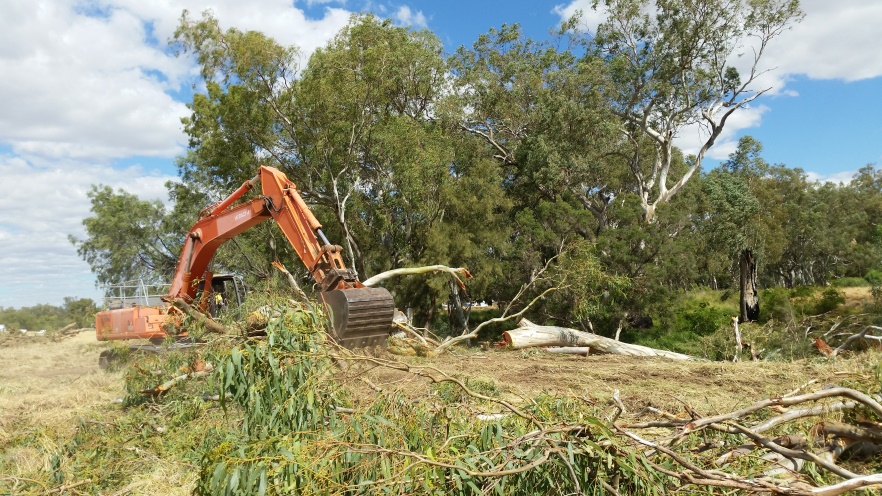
x=360 y=316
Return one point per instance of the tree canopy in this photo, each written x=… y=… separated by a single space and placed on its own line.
x=507 y=157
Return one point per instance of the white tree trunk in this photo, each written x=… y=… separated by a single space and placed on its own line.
x=529 y=334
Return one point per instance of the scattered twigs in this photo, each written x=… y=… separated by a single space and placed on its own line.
x=435 y=375
x=68 y=487
x=454 y=272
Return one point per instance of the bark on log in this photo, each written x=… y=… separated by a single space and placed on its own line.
x=569 y=350
x=749 y=304
x=529 y=334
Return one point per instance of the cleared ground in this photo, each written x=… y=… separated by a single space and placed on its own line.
x=47 y=387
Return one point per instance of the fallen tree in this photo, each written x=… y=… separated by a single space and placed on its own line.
x=529 y=335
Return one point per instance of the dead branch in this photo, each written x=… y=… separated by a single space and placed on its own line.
x=738 y=345
x=529 y=334
x=813 y=411
x=790 y=453
x=848 y=485
x=291 y=279
x=852 y=432
x=861 y=335
x=503 y=318
x=200 y=370
x=407 y=271
x=793 y=400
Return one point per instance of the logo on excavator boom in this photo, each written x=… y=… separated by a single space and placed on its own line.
x=242 y=215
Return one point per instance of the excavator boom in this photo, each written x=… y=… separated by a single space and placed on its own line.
x=360 y=316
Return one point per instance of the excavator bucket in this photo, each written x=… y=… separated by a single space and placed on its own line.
x=360 y=317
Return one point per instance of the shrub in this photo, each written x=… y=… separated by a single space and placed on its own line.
x=830 y=299
x=775 y=305
x=850 y=282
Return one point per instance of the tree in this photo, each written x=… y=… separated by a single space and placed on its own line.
x=734 y=220
x=128 y=238
x=673 y=70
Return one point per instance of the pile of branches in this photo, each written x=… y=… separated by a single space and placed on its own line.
x=307 y=428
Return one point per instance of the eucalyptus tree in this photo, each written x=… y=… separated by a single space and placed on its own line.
x=673 y=66
x=128 y=238
x=354 y=128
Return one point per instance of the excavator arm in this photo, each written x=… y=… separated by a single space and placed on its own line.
x=360 y=316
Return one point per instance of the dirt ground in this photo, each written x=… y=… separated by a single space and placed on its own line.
x=46 y=386
x=707 y=387
x=45 y=383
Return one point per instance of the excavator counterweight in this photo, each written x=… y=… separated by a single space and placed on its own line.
x=360 y=316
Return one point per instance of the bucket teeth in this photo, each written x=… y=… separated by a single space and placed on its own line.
x=360 y=317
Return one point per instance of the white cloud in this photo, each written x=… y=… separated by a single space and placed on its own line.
x=844 y=177
x=409 y=18
x=42 y=205
x=590 y=18
x=692 y=138
x=835 y=40
x=86 y=82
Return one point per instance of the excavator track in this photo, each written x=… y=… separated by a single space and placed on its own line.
x=360 y=317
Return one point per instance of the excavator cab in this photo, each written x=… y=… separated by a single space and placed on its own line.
x=227 y=293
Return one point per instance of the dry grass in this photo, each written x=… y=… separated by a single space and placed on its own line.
x=46 y=388
x=708 y=387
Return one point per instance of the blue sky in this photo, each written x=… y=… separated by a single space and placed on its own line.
x=91 y=94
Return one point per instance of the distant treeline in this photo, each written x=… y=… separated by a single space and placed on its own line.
x=78 y=311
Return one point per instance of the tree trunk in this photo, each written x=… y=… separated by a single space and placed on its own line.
x=458 y=319
x=529 y=334
x=749 y=294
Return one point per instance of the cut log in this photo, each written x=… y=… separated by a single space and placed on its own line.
x=529 y=334
x=210 y=325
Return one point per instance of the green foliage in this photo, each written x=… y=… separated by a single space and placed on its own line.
x=830 y=299
x=850 y=282
x=293 y=439
x=128 y=238
x=689 y=320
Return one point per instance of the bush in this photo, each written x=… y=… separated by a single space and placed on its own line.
x=683 y=332
x=850 y=282
x=775 y=305
x=830 y=299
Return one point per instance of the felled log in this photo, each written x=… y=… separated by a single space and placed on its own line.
x=529 y=334
x=569 y=350
x=200 y=317
x=196 y=370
